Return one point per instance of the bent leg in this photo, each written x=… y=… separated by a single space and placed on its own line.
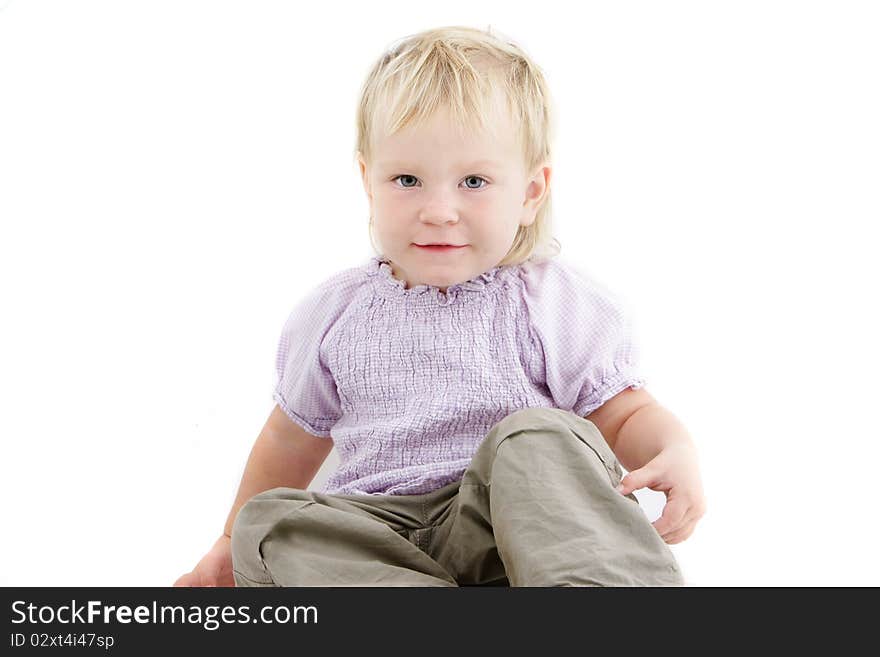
x=292 y=537
x=548 y=479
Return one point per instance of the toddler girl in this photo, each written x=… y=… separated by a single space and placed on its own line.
x=481 y=394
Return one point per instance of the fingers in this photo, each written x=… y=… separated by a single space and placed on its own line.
x=641 y=478
x=682 y=533
x=674 y=516
x=195 y=579
x=676 y=532
x=184 y=580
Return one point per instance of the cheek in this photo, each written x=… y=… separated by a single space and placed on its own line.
x=500 y=205
x=388 y=220
x=391 y=204
x=496 y=214
x=486 y=203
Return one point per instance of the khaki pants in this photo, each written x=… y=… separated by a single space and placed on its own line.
x=537 y=506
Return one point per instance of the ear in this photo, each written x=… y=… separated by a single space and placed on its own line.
x=536 y=191
x=364 y=176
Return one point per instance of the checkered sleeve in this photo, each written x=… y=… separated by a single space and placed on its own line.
x=584 y=337
x=305 y=389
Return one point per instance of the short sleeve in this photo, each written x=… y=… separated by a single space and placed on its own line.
x=306 y=390
x=583 y=335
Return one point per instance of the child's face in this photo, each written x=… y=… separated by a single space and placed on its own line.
x=430 y=185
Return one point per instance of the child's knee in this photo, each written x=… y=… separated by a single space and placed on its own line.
x=255 y=520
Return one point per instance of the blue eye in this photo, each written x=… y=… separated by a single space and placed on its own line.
x=406 y=175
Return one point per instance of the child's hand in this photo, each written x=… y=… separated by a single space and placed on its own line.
x=674 y=471
x=215 y=568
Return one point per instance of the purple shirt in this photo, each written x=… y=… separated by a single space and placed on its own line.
x=408 y=382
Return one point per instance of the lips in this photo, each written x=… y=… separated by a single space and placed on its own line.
x=440 y=248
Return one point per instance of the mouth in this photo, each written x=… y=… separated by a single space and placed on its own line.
x=440 y=247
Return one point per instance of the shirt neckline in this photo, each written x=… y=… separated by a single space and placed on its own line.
x=380 y=268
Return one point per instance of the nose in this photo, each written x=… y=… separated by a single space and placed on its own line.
x=438 y=210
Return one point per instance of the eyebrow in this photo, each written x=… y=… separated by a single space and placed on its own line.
x=397 y=164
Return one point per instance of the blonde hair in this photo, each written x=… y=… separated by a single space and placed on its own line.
x=463 y=69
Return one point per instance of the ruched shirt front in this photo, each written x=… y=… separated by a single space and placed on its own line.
x=408 y=381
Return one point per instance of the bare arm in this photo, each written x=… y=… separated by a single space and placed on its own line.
x=659 y=454
x=637 y=428
x=283 y=455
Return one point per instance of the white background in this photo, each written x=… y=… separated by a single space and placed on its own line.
x=176 y=175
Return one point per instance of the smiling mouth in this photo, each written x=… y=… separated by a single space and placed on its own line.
x=441 y=246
